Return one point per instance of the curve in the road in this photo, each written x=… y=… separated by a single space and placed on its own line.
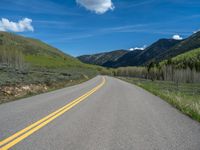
x=27 y=131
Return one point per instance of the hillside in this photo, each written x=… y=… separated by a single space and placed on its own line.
x=35 y=52
x=102 y=58
x=124 y=60
x=29 y=66
x=151 y=53
x=131 y=58
x=26 y=61
x=190 y=43
x=189 y=59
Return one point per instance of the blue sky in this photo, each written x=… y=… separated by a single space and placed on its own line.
x=88 y=26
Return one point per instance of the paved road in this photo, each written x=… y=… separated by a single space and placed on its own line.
x=117 y=116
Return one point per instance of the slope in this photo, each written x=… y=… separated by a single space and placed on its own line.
x=35 y=52
x=102 y=58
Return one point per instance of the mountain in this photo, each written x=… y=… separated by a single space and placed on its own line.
x=124 y=60
x=152 y=52
x=157 y=52
x=102 y=58
x=143 y=57
x=185 y=45
x=131 y=58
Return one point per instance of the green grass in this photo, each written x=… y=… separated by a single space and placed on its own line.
x=185 y=96
x=51 y=62
x=193 y=55
x=31 y=61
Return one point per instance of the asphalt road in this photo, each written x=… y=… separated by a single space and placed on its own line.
x=114 y=116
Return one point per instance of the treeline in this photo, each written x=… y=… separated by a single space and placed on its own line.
x=184 y=68
x=11 y=58
x=165 y=72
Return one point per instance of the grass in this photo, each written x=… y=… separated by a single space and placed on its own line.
x=41 y=81
x=185 y=96
x=52 y=78
x=193 y=55
x=25 y=62
x=51 y=62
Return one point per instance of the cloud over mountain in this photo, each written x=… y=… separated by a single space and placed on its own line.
x=177 y=37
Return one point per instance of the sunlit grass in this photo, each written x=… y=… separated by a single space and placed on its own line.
x=184 y=96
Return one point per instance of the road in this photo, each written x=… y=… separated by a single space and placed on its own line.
x=111 y=115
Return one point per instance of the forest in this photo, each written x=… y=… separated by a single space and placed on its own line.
x=184 y=68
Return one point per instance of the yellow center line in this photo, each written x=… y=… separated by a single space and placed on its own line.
x=22 y=134
x=40 y=121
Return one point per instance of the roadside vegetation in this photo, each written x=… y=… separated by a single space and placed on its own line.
x=16 y=83
x=185 y=96
x=23 y=75
x=176 y=80
x=29 y=66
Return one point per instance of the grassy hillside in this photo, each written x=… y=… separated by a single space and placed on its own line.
x=35 y=51
x=41 y=67
x=189 y=59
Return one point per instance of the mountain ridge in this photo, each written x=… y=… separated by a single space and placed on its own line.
x=158 y=51
x=101 y=58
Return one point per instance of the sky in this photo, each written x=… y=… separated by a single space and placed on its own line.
x=80 y=27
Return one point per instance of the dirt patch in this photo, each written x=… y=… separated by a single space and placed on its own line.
x=13 y=92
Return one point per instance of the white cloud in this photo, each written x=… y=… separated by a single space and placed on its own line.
x=177 y=37
x=138 y=48
x=20 y=26
x=98 y=6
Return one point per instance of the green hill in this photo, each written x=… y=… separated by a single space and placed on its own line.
x=29 y=66
x=28 y=61
x=35 y=52
x=189 y=59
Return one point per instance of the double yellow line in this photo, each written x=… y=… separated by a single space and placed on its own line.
x=24 y=133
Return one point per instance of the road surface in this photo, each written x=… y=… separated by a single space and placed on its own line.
x=96 y=115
